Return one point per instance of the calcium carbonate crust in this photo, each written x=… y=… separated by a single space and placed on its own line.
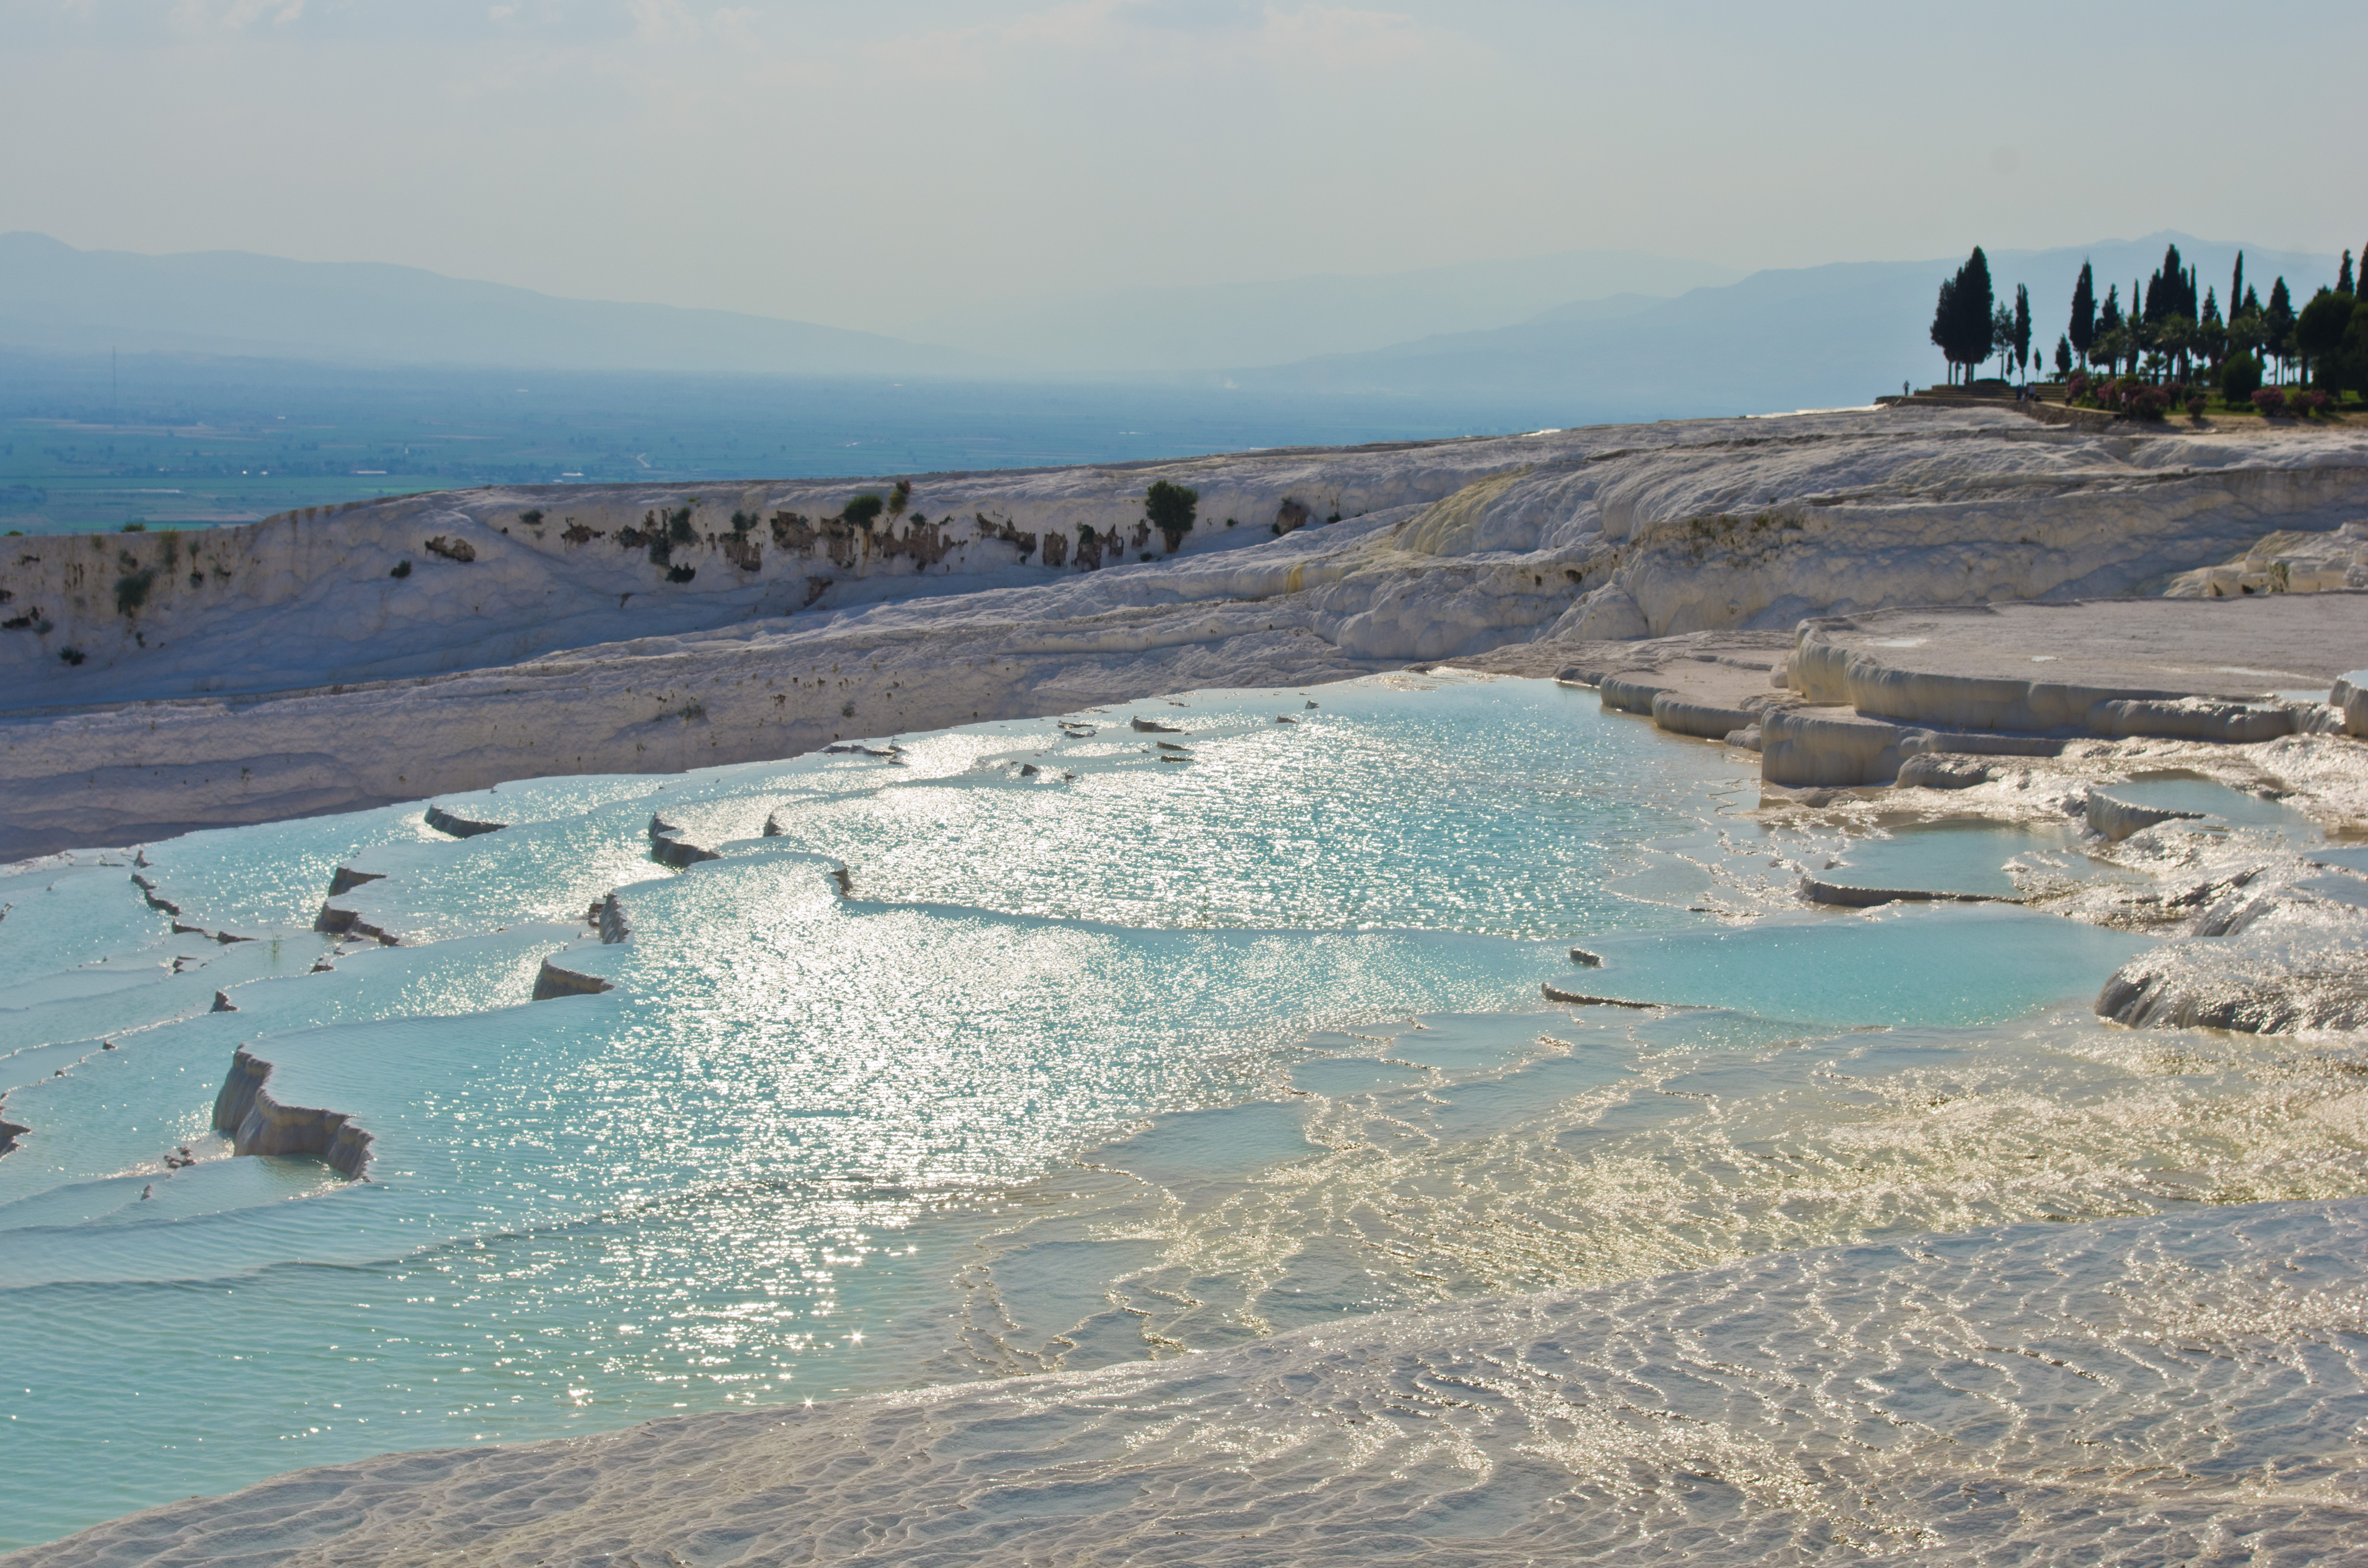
x=351 y=657
x=2174 y=1388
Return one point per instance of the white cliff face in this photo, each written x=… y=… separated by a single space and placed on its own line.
x=632 y=628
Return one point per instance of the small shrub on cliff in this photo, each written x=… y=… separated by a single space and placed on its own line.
x=135 y=528
x=862 y=511
x=531 y=517
x=401 y=569
x=1171 y=510
x=899 y=497
x=72 y=655
x=131 y=591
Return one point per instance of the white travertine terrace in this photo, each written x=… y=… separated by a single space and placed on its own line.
x=245 y=673
x=2132 y=1391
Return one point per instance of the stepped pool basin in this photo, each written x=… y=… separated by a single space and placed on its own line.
x=1020 y=1047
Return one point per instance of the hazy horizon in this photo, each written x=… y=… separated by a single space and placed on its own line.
x=813 y=163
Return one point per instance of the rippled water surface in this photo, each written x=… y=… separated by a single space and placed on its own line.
x=1026 y=1047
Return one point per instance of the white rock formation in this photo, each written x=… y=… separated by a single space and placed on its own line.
x=245 y=673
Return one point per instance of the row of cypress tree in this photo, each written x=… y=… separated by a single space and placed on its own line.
x=2165 y=332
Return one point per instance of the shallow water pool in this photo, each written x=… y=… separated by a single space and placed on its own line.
x=963 y=1059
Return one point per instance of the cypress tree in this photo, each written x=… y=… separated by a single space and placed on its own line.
x=1944 y=326
x=2166 y=289
x=1960 y=316
x=2280 y=320
x=2343 y=277
x=2022 y=327
x=2237 y=284
x=2084 y=312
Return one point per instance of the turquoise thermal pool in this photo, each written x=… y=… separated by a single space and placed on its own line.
x=1021 y=1046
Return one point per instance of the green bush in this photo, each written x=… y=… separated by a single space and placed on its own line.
x=1172 y=508
x=2240 y=378
x=862 y=511
x=131 y=591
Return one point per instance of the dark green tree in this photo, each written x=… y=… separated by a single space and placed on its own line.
x=2109 y=337
x=2278 y=321
x=2166 y=291
x=2351 y=361
x=2064 y=359
x=2240 y=378
x=2084 y=312
x=2002 y=337
x=2343 y=277
x=1170 y=509
x=2318 y=334
x=1962 y=323
x=2211 y=332
x=2236 y=289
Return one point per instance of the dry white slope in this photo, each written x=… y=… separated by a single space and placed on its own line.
x=246 y=674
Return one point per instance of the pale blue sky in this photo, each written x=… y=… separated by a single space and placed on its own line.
x=870 y=165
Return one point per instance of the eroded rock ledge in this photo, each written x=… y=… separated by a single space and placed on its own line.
x=259 y=1124
x=552 y=981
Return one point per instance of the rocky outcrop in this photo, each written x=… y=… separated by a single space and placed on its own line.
x=9 y=1132
x=347 y=880
x=2350 y=698
x=1936 y=770
x=610 y=919
x=259 y=1124
x=338 y=922
x=1578 y=999
x=2255 y=988
x=443 y=820
x=154 y=901
x=2116 y=820
x=1801 y=747
x=668 y=849
x=1705 y=721
x=553 y=981
x=1841 y=895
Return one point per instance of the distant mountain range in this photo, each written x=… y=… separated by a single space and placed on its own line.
x=1165 y=331
x=56 y=298
x=1576 y=337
